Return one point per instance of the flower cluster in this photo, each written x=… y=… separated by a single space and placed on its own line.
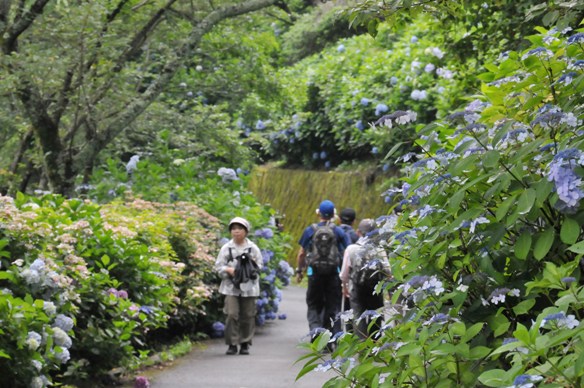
x=227 y=174
x=568 y=184
x=419 y=287
x=499 y=295
x=560 y=320
x=264 y=233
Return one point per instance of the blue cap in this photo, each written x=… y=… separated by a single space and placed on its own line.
x=326 y=209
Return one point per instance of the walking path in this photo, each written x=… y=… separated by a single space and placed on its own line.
x=271 y=363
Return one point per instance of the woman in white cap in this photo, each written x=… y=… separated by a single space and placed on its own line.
x=240 y=298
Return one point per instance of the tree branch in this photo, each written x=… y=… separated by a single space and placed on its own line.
x=136 y=107
x=22 y=24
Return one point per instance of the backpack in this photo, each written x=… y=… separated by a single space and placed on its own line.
x=368 y=269
x=349 y=231
x=245 y=270
x=323 y=255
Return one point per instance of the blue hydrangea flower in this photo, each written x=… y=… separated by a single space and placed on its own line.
x=359 y=125
x=260 y=125
x=341 y=48
x=525 y=381
x=323 y=155
x=365 y=101
x=327 y=164
x=64 y=322
x=567 y=78
x=315 y=155
x=578 y=65
x=568 y=280
x=540 y=52
x=380 y=108
x=374 y=150
x=576 y=38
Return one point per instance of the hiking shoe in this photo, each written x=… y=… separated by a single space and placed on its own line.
x=244 y=349
x=232 y=349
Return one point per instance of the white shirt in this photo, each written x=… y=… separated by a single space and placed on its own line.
x=352 y=259
x=248 y=289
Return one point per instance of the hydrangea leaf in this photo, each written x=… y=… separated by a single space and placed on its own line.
x=526 y=201
x=523 y=245
x=523 y=307
x=499 y=324
x=543 y=188
x=504 y=207
x=493 y=378
x=479 y=352
x=454 y=202
x=570 y=231
x=522 y=334
x=491 y=158
x=543 y=244
x=579 y=364
x=577 y=248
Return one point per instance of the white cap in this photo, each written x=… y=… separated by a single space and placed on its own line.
x=241 y=221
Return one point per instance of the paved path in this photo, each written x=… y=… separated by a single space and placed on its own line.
x=270 y=364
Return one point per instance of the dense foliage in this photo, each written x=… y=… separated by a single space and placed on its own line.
x=486 y=256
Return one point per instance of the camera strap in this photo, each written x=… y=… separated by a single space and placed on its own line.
x=231 y=258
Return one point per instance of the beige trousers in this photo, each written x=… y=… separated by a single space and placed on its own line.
x=240 y=322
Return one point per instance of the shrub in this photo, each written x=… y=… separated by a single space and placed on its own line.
x=486 y=255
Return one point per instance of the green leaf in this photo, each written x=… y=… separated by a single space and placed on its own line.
x=522 y=334
x=4 y=355
x=491 y=158
x=523 y=245
x=309 y=367
x=570 y=231
x=493 y=378
x=523 y=307
x=504 y=207
x=472 y=331
x=526 y=201
x=543 y=189
x=454 y=202
x=478 y=352
x=392 y=150
x=543 y=244
x=105 y=260
x=6 y=275
x=577 y=248
x=579 y=365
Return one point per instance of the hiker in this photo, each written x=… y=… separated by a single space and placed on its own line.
x=321 y=248
x=347 y=218
x=238 y=265
x=364 y=265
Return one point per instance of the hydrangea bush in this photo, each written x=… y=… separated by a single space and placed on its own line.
x=221 y=191
x=82 y=286
x=486 y=252
x=346 y=88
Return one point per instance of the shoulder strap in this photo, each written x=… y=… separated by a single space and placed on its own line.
x=230 y=255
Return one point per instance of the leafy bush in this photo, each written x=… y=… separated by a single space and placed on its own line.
x=83 y=285
x=221 y=192
x=337 y=95
x=486 y=255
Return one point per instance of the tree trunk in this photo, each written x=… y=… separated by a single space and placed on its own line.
x=63 y=160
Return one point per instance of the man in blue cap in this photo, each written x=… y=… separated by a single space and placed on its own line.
x=322 y=246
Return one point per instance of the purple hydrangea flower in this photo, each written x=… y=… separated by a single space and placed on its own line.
x=141 y=382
